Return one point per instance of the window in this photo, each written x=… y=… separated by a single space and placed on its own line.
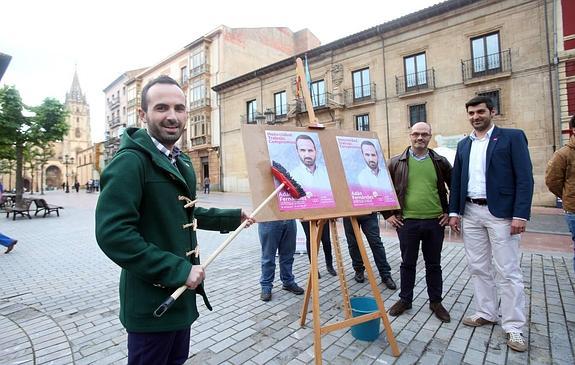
x=417 y=114
x=198 y=126
x=78 y=133
x=280 y=103
x=197 y=62
x=415 y=70
x=197 y=91
x=131 y=118
x=184 y=74
x=318 y=93
x=252 y=107
x=494 y=96
x=362 y=122
x=361 y=84
x=485 y=53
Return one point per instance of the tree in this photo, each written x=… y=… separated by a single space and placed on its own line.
x=47 y=123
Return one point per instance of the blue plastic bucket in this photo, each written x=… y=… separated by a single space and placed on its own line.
x=367 y=331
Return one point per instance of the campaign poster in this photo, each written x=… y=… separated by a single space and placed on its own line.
x=365 y=172
x=300 y=153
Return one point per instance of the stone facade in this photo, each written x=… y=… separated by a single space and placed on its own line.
x=217 y=56
x=422 y=67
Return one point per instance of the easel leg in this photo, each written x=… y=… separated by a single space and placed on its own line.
x=313 y=238
x=315 y=234
x=374 y=288
x=340 y=269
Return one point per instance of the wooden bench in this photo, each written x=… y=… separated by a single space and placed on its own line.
x=22 y=208
x=42 y=205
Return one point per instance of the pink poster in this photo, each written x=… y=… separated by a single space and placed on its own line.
x=301 y=155
x=365 y=171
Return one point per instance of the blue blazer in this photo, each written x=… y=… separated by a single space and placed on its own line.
x=508 y=170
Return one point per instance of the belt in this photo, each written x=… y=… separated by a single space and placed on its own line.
x=478 y=201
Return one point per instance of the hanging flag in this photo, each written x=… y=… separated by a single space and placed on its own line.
x=308 y=78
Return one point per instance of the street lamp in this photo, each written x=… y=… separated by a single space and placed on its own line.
x=67 y=160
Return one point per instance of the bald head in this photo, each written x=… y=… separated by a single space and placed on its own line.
x=420 y=136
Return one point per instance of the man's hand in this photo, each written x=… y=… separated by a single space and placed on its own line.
x=518 y=226
x=443 y=219
x=455 y=224
x=395 y=220
x=195 y=277
x=250 y=219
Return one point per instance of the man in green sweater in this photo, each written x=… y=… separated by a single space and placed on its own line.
x=145 y=222
x=421 y=178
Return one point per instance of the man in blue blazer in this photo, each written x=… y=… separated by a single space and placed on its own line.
x=491 y=193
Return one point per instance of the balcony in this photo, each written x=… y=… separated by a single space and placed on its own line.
x=200 y=103
x=114 y=122
x=415 y=83
x=132 y=102
x=200 y=140
x=319 y=101
x=360 y=95
x=113 y=103
x=488 y=67
x=199 y=70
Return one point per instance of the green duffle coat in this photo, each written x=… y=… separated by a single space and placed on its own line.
x=139 y=225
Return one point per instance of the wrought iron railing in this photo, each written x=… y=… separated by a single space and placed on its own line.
x=486 y=65
x=360 y=94
x=414 y=82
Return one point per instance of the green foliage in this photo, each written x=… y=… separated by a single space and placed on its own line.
x=20 y=133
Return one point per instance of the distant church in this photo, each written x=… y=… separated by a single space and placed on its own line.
x=77 y=139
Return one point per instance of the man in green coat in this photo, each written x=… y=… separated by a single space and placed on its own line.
x=146 y=221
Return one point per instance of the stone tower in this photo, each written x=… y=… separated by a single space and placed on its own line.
x=77 y=139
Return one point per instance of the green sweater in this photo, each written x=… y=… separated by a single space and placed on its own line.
x=421 y=198
x=139 y=225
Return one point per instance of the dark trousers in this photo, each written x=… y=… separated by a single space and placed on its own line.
x=430 y=234
x=370 y=227
x=158 y=348
x=325 y=242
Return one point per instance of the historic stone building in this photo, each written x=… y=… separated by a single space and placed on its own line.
x=564 y=45
x=211 y=59
x=63 y=167
x=420 y=67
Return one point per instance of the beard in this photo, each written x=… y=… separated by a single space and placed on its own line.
x=158 y=131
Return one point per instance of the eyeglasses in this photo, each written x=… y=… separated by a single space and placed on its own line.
x=422 y=135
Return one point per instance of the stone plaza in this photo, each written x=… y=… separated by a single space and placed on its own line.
x=59 y=302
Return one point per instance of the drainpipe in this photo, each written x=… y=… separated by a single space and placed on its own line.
x=385 y=94
x=220 y=151
x=550 y=64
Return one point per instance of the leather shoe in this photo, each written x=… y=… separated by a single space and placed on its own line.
x=440 y=312
x=11 y=247
x=359 y=277
x=294 y=288
x=331 y=270
x=398 y=308
x=265 y=296
x=388 y=281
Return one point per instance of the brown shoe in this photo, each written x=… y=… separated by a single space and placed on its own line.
x=440 y=312
x=11 y=247
x=398 y=308
x=476 y=321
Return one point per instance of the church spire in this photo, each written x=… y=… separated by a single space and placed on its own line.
x=75 y=94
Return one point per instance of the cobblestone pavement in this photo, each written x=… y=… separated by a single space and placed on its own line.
x=59 y=304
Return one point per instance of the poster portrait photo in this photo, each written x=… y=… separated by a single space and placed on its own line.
x=300 y=153
x=365 y=172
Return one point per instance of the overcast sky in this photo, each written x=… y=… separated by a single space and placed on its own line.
x=104 y=38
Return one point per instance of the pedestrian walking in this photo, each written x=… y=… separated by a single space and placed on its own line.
x=277 y=236
x=420 y=177
x=491 y=194
x=560 y=179
x=206 y=185
x=146 y=221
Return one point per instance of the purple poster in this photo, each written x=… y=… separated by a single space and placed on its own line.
x=365 y=171
x=301 y=155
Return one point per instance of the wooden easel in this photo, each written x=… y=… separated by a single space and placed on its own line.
x=312 y=288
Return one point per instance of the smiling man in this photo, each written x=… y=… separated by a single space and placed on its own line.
x=491 y=193
x=144 y=226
